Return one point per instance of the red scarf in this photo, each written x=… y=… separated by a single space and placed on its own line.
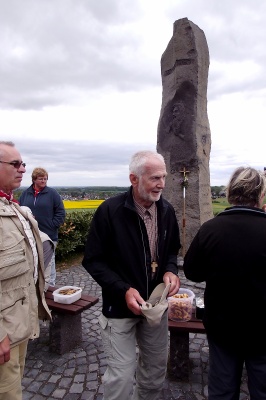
x=9 y=196
x=36 y=191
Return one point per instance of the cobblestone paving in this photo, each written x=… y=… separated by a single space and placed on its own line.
x=77 y=375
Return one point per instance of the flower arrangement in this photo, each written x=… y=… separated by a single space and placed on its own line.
x=184 y=182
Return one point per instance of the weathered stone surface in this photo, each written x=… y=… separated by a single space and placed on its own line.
x=184 y=137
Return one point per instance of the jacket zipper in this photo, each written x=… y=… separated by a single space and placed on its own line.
x=145 y=259
x=12 y=305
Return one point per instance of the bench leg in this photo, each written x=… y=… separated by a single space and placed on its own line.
x=178 y=361
x=65 y=333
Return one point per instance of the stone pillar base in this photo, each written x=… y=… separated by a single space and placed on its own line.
x=178 y=362
x=65 y=333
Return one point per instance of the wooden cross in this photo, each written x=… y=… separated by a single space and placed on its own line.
x=184 y=172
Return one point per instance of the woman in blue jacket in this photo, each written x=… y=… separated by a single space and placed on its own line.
x=47 y=207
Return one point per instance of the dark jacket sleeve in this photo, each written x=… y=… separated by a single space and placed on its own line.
x=174 y=242
x=21 y=199
x=59 y=211
x=97 y=249
x=194 y=266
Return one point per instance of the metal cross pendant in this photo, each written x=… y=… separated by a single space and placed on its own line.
x=154 y=265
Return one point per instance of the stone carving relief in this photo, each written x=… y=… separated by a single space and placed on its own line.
x=175 y=131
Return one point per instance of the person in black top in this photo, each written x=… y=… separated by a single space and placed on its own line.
x=229 y=254
x=132 y=246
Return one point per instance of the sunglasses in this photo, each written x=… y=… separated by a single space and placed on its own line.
x=16 y=164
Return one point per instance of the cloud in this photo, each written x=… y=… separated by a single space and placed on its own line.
x=59 y=50
x=81 y=163
x=81 y=85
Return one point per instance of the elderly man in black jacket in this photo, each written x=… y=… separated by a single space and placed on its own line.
x=229 y=253
x=132 y=246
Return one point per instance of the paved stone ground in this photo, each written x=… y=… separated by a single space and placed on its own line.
x=77 y=375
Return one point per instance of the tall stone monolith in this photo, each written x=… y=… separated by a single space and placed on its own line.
x=184 y=137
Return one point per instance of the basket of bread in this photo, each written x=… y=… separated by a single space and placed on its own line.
x=67 y=294
x=180 y=305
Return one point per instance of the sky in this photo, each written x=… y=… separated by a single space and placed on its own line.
x=81 y=86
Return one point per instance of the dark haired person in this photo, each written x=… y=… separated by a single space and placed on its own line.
x=229 y=254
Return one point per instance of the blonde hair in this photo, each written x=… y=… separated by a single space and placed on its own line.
x=38 y=172
x=246 y=186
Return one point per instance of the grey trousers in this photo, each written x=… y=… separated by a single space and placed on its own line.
x=53 y=267
x=120 y=337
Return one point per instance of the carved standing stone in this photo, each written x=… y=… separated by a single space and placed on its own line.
x=184 y=137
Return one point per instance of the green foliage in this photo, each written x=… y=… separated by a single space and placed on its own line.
x=219 y=205
x=217 y=189
x=73 y=233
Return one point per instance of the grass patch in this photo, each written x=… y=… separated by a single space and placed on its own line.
x=219 y=205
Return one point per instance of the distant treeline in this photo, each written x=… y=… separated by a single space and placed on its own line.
x=84 y=188
x=82 y=191
x=98 y=191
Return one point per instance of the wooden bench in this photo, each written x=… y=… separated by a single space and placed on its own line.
x=65 y=330
x=178 y=361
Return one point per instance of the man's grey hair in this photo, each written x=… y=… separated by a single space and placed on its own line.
x=6 y=143
x=139 y=160
x=246 y=186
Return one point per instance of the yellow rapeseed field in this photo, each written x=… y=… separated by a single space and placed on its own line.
x=70 y=204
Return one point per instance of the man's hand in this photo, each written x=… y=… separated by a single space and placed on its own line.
x=4 y=350
x=134 y=300
x=169 y=277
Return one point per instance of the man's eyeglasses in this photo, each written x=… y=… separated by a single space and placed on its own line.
x=16 y=164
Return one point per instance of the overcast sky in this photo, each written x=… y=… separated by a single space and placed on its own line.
x=81 y=83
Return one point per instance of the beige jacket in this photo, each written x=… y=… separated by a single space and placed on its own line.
x=22 y=301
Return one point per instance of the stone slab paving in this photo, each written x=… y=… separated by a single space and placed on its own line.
x=77 y=375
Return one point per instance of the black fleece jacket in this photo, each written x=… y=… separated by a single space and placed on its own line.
x=229 y=254
x=117 y=253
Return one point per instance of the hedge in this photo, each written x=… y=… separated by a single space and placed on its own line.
x=73 y=233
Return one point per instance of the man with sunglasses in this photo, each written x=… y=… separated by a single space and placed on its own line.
x=21 y=276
